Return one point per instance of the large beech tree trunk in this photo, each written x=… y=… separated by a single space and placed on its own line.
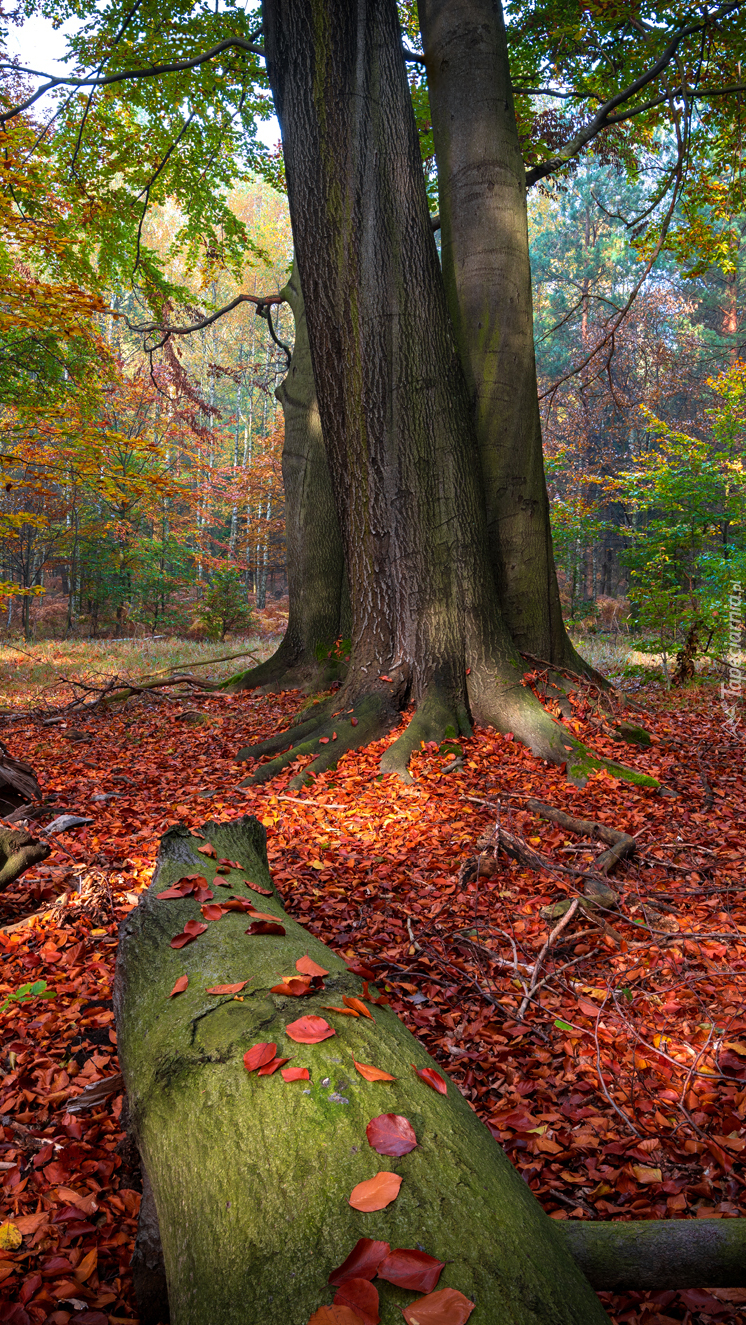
x=319 y=610
x=401 y=447
x=487 y=274
x=251 y=1176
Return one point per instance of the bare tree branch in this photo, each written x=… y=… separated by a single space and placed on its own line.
x=152 y=328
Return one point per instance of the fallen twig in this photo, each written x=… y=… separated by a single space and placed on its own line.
x=567 y=917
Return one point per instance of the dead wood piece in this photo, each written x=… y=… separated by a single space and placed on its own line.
x=572 y=911
x=621 y=844
x=96 y=1093
x=18 y=784
x=18 y=852
x=23 y=1136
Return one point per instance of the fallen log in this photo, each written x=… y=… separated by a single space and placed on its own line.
x=18 y=852
x=251 y=1176
x=651 y=1254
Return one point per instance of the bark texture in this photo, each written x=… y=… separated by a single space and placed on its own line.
x=659 y=1253
x=318 y=601
x=251 y=1176
x=487 y=274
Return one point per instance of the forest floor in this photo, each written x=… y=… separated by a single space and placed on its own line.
x=619 y=1093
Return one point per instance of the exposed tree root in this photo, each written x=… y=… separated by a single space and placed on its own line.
x=327 y=734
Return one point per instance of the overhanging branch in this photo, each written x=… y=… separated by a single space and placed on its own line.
x=261 y=302
x=605 y=116
x=152 y=71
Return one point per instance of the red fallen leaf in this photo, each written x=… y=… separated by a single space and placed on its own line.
x=323 y=740
x=391 y=1134
x=382 y=1001
x=344 y=1012
x=258 y=1055
x=208 y=850
x=232 y=864
x=265 y=927
x=336 y=1315
x=293 y=986
x=228 y=989
x=362 y=1296
x=357 y=1005
x=260 y=915
x=172 y=892
x=362 y=1262
x=295 y=1073
x=353 y=722
x=307 y=966
x=239 y=904
x=411 y=1269
x=334 y=736
x=359 y=968
x=446 y=1307
x=310 y=1030
x=385 y=678
x=371 y=1073
x=203 y=894
x=589 y=1009
x=257 y=888
x=213 y=911
x=191 y=931
x=375 y=1193
x=269 y=1068
x=432 y=1078
x=180 y=985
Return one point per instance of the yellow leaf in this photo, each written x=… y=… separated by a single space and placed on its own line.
x=318 y=865
x=10 y=1237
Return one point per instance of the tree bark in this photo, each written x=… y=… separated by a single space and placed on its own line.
x=251 y=1176
x=487 y=274
x=318 y=603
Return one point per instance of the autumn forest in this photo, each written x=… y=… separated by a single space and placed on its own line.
x=372 y=571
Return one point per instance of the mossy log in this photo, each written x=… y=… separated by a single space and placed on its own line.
x=251 y=1175
x=659 y=1253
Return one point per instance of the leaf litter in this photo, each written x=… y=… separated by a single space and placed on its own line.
x=627 y=1064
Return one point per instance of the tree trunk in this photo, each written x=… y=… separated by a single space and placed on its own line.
x=487 y=274
x=251 y=1175
x=393 y=404
x=315 y=562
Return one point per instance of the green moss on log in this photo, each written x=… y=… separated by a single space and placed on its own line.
x=251 y=1176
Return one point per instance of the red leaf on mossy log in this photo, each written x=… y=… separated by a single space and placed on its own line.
x=343 y=1012
x=362 y=1262
x=269 y=1068
x=265 y=927
x=375 y=1193
x=432 y=1079
x=213 y=911
x=180 y=985
x=228 y=989
x=336 y=1315
x=184 y=886
x=191 y=931
x=371 y=1073
x=257 y=888
x=232 y=864
x=295 y=1073
x=307 y=966
x=208 y=850
x=258 y=1055
x=446 y=1307
x=411 y=1269
x=391 y=1134
x=310 y=1030
x=293 y=985
x=357 y=1005
x=362 y=1296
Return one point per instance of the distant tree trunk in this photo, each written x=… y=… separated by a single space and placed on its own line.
x=318 y=613
x=251 y=1176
